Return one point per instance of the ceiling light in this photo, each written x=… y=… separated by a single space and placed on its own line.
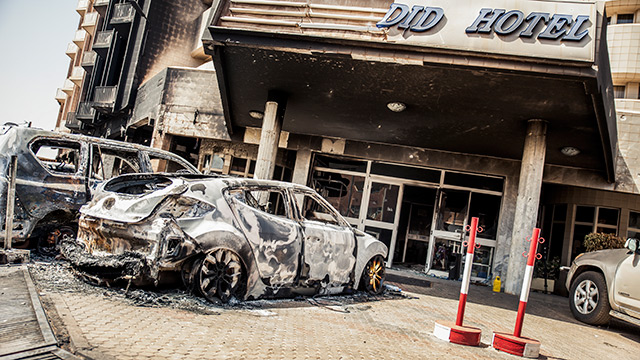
x=256 y=114
x=397 y=106
x=570 y=151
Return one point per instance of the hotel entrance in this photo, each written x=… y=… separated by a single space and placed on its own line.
x=419 y=213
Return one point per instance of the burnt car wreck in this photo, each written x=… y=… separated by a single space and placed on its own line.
x=223 y=237
x=56 y=173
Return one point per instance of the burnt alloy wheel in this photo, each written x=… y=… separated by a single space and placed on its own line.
x=221 y=275
x=49 y=245
x=373 y=275
x=589 y=298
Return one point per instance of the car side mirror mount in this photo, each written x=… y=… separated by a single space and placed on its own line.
x=632 y=245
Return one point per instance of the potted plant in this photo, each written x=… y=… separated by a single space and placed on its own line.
x=545 y=273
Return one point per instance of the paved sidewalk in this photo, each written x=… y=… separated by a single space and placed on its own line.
x=102 y=325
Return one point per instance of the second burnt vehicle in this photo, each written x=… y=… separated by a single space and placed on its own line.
x=225 y=237
x=56 y=174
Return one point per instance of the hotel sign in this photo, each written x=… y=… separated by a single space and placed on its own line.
x=547 y=29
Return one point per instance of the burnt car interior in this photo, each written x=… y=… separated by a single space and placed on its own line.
x=60 y=157
x=137 y=186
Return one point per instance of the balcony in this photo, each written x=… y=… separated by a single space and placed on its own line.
x=85 y=112
x=123 y=15
x=80 y=37
x=101 y=6
x=88 y=60
x=82 y=7
x=61 y=96
x=72 y=123
x=103 y=41
x=72 y=50
x=90 y=22
x=77 y=74
x=104 y=98
x=68 y=87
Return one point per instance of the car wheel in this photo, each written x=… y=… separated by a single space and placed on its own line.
x=221 y=275
x=589 y=298
x=373 y=275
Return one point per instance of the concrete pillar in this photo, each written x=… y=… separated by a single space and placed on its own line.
x=526 y=211
x=269 y=139
x=302 y=167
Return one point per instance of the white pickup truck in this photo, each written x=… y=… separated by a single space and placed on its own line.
x=606 y=283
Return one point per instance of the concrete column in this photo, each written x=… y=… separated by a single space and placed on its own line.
x=526 y=212
x=302 y=167
x=269 y=139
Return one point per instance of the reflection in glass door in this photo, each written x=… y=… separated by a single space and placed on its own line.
x=382 y=211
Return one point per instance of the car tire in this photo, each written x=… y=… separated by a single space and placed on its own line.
x=373 y=275
x=220 y=275
x=589 y=298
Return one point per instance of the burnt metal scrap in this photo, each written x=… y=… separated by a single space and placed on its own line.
x=224 y=237
x=56 y=174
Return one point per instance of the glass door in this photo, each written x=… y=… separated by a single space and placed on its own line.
x=445 y=243
x=382 y=203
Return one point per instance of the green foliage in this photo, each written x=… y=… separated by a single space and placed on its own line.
x=601 y=241
x=549 y=269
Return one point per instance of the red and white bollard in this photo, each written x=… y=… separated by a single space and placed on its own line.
x=516 y=344
x=458 y=333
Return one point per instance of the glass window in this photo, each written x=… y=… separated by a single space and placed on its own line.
x=238 y=165
x=406 y=172
x=213 y=162
x=453 y=210
x=579 y=232
x=107 y=163
x=160 y=163
x=608 y=216
x=267 y=200
x=473 y=181
x=625 y=18
x=618 y=92
x=585 y=214
x=382 y=202
x=314 y=210
x=58 y=157
x=634 y=219
x=560 y=212
x=344 y=192
x=486 y=208
x=340 y=164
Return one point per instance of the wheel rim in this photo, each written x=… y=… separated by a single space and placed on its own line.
x=586 y=297
x=220 y=275
x=375 y=271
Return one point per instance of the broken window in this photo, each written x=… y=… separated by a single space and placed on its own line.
x=107 y=163
x=344 y=192
x=270 y=201
x=164 y=164
x=213 y=163
x=314 y=210
x=60 y=157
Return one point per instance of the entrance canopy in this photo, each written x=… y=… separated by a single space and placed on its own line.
x=465 y=75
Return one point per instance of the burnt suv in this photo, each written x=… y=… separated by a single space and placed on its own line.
x=225 y=237
x=56 y=174
x=606 y=283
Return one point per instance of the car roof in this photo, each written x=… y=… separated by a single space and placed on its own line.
x=28 y=133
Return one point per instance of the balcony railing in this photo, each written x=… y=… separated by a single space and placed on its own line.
x=101 y=6
x=61 y=96
x=76 y=75
x=68 y=87
x=103 y=41
x=80 y=37
x=104 y=98
x=82 y=7
x=90 y=22
x=88 y=60
x=72 y=50
x=123 y=15
x=71 y=122
x=85 y=112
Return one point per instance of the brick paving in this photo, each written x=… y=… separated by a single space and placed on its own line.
x=339 y=327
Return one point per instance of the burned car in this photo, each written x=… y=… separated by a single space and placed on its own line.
x=225 y=237
x=55 y=174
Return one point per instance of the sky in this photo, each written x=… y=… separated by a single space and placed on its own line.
x=33 y=37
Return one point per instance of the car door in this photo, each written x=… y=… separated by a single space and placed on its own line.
x=626 y=285
x=265 y=218
x=329 y=242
